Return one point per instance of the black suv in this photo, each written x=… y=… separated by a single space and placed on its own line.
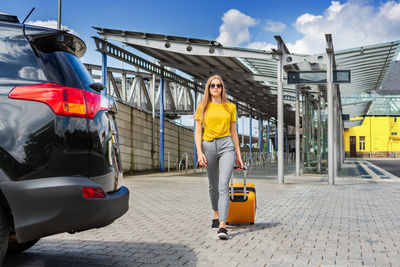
x=60 y=167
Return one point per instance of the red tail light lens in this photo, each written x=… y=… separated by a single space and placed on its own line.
x=64 y=101
x=93 y=192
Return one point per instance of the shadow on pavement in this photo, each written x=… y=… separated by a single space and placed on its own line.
x=102 y=253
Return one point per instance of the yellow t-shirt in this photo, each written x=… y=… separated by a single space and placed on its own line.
x=217 y=120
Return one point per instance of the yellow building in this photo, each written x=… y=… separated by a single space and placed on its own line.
x=377 y=136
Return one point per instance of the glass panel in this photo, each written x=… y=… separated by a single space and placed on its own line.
x=17 y=60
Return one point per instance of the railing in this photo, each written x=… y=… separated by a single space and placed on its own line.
x=257 y=159
x=254 y=160
x=185 y=163
x=185 y=157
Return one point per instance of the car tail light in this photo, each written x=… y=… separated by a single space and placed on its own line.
x=93 y=192
x=64 y=101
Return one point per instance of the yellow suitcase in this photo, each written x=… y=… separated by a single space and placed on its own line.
x=242 y=207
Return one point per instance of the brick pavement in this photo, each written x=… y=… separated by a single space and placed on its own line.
x=303 y=223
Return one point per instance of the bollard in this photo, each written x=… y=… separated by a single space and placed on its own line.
x=186 y=161
x=169 y=161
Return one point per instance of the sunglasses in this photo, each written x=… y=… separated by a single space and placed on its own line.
x=215 y=85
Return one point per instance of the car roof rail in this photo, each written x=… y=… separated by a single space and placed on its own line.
x=8 y=18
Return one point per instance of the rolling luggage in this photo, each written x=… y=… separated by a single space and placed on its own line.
x=242 y=206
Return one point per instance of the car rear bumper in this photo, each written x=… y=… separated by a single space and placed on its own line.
x=42 y=207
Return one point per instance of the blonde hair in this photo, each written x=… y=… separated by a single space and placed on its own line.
x=207 y=96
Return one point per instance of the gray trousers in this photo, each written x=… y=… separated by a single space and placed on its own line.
x=220 y=155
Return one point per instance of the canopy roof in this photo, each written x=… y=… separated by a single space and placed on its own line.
x=250 y=75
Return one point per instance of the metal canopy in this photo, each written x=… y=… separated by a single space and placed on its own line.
x=250 y=75
x=368 y=65
x=357 y=109
x=202 y=58
x=350 y=124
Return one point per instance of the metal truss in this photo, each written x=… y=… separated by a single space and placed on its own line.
x=135 y=88
x=179 y=91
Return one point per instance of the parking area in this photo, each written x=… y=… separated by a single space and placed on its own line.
x=302 y=223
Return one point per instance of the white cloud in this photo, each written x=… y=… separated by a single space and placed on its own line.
x=352 y=24
x=235 y=28
x=273 y=26
x=51 y=24
x=261 y=46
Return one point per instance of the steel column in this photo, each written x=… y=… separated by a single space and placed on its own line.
x=281 y=179
x=276 y=140
x=104 y=69
x=250 y=134
x=335 y=133
x=58 y=15
x=162 y=124
x=194 y=132
x=319 y=133
x=260 y=133
x=268 y=131
x=330 y=98
x=153 y=118
x=286 y=143
x=243 y=131
x=237 y=120
x=297 y=130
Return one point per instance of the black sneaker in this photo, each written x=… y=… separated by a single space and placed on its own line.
x=222 y=233
x=215 y=223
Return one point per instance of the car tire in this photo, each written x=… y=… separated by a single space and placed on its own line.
x=4 y=234
x=14 y=247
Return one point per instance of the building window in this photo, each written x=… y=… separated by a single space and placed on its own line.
x=362 y=142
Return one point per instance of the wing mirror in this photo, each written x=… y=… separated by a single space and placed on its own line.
x=98 y=87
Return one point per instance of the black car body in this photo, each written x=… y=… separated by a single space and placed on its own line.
x=60 y=167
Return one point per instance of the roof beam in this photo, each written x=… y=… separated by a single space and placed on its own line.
x=187 y=48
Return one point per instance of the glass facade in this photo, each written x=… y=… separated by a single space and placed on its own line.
x=315 y=155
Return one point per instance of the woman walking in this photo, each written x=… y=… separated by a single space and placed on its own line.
x=220 y=147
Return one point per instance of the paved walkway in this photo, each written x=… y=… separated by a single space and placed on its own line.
x=302 y=223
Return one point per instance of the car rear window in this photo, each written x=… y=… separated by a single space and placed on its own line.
x=65 y=69
x=17 y=59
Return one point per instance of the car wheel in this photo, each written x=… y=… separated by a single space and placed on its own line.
x=14 y=247
x=4 y=234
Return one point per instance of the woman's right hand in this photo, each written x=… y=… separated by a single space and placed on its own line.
x=202 y=159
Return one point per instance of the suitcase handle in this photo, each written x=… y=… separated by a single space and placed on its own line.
x=244 y=183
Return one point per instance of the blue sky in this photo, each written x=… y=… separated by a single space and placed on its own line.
x=251 y=23
x=204 y=20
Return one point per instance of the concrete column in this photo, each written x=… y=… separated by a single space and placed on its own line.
x=297 y=130
x=319 y=133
